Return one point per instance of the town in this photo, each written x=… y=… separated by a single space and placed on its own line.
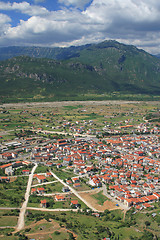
x=108 y=152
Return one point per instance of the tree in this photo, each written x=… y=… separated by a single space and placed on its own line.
x=147 y=223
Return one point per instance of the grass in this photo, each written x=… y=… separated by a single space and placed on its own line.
x=41 y=169
x=73 y=107
x=12 y=194
x=8 y=231
x=61 y=174
x=8 y=221
x=100 y=198
x=53 y=187
x=83 y=187
x=89 y=227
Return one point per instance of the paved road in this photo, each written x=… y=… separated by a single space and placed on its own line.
x=20 y=224
x=74 y=191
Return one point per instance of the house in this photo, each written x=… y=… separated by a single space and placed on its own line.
x=4 y=179
x=7 y=155
x=75 y=180
x=128 y=202
x=76 y=185
x=66 y=161
x=65 y=189
x=44 y=203
x=96 y=214
x=9 y=171
x=61 y=143
x=33 y=191
x=48 y=174
x=146 y=205
x=69 y=182
x=74 y=203
x=59 y=198
x=95 y=181
x=59 y=165
x=106 y=179
x=41 y=178
x=14 y=154
x=156 y=195
x=49 y=164
x=40 y=190
x=17 y=164
x=5 y=166
x=25 y=172
x=81 y=173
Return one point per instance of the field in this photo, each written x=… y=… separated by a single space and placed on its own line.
x=15 y=117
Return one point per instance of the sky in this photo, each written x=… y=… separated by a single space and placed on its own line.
x=64 y=23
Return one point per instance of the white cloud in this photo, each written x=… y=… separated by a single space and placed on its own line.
x=4 y=23
x=76 y=3
x=129 y=21
x=55 y=28
x=4 y=19
x=39 y=1
x=24 y=7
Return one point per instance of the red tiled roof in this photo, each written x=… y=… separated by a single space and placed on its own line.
x=6 y=165
x=74 y=202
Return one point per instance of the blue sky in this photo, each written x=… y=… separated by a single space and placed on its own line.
x=64 y=23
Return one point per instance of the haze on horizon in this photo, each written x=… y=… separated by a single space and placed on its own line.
x=62 y=23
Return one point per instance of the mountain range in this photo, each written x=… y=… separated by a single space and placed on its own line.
x=36 y=73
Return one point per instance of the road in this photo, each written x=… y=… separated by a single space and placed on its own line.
x=74 y=191
x=65 y=133
x=20 y=224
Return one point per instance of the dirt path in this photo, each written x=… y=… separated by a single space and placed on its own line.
x=20 y=224
x=53 y=210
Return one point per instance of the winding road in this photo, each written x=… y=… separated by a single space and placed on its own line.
x=20 y=224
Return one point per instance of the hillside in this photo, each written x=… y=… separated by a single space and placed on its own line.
x=91 y=69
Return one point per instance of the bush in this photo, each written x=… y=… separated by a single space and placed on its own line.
x=147 y=236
